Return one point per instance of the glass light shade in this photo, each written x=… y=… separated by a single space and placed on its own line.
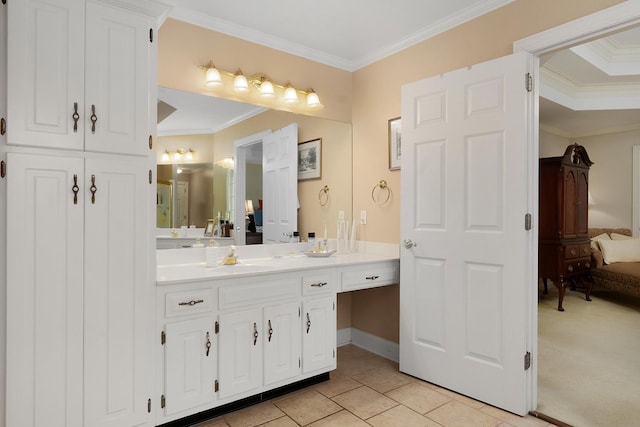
x=165 y=156
x=240 y=84
x=313 y=100
x=189 y=154
x=248 y=204
x=290 y=95
x=213 y=77
x=266 y=89
x=179 y=170
x=177 y=155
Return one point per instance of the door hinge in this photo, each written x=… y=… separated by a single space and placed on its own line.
x=527 y=221
x=527 y=360
x=150 y=142
x=299 y=363
x=3 y=169
x=334 y=353
x=299 y=313
x=151 y=35
x=150 y=177
x=163 y=401
x=4 y=1
x=149 y=406
x=529 y=82
x=217 y=327
x=3 y=126
x=163 y=338
x=334 y=306
x=216 y=385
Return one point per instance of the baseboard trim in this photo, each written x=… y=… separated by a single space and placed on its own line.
x=385 y=348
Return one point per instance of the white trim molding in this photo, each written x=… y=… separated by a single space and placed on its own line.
x=372 y=343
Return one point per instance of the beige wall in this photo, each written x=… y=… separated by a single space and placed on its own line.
x=376 y=99
x=368 y=98
x=183 y=47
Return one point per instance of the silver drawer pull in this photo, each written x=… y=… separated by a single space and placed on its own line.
x=570 y=268
x=318 y=285
x=191 y=303
x=372 y=277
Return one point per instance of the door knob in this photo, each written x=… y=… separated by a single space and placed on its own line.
x=409 y=244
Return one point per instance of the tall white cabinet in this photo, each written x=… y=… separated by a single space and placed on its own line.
x=79 y=103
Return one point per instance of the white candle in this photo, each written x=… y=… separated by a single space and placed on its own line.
x=325 y=231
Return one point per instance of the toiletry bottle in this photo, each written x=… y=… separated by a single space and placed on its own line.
x=296 y=237
x=311 y=238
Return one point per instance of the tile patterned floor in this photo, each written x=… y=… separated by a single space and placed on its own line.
x=368 y=390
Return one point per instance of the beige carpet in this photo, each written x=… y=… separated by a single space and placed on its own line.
x=588 y=359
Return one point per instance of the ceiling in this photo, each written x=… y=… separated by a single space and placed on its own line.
x=589 y=89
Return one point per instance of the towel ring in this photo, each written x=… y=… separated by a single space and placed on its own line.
x=382 y=185
x=323 y=195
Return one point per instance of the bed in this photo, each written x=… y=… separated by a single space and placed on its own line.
x=615 y=260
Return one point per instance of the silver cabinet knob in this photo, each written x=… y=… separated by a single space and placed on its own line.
x=409 y=244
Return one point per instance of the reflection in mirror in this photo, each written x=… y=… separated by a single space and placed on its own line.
x=194 y=122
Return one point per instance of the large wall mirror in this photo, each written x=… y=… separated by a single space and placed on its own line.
x=195 y=150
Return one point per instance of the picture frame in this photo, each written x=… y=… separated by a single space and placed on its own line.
x=211 y=225
x=310 y=159
x=395 y=145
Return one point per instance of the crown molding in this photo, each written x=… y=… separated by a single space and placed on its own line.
x=258 y=37
x=610 y=59
x=204 y=131
x=563 y=91
x=596 y=132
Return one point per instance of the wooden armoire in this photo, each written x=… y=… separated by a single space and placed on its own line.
x=564 y=250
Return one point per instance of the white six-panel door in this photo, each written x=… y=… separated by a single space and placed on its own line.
x=280 y=184
x=464 y=270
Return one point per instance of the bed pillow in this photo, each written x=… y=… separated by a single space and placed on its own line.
x=595 y=240
x=627 y=250
x=618 y=236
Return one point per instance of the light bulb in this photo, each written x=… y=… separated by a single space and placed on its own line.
x=266 y=89
x=313 y=100
x=165 y=156
x=213 y=77
x=240 y=83
x=290 y=94
x=177 y=155
x=189 y=154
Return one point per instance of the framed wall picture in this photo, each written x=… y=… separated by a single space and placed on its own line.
x=395 y=146
x=211 y=224
x=310 y=159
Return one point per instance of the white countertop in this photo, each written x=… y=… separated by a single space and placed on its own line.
x=189 y=265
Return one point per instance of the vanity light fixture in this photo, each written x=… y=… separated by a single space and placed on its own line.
x=178 y=154
x=226 y=163
x=266 y=88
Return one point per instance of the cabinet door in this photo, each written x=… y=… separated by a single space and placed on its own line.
x=240 y=356
x=118 y=63
x=282 y=342
x=569 y=201
x=44 y=292
x=118 y=293
x=45 y=73
x=319 y=334
x=189 y=364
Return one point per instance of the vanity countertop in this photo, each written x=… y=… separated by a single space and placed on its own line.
x=188 y=265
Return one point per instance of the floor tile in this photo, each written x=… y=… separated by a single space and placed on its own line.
x=340 y=419
x=338 y=384
x=364 y=402
x=281 y=422
x=216 y=422
x=456 y=414
x=418 y=397
x=253 y=415
x=401 y=416
x=381 y=380
x=305 y=408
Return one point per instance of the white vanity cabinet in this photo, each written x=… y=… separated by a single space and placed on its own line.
x=78 y=75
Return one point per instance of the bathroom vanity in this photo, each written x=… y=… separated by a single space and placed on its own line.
x=228 y=332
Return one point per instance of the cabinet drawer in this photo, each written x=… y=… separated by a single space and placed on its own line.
x=241 y=292
x=579 y=250
x=370 y=276
x=318 y=282
x=576 y=266
x=183 y=303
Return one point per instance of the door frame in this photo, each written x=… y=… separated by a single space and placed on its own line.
x=593 y=26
